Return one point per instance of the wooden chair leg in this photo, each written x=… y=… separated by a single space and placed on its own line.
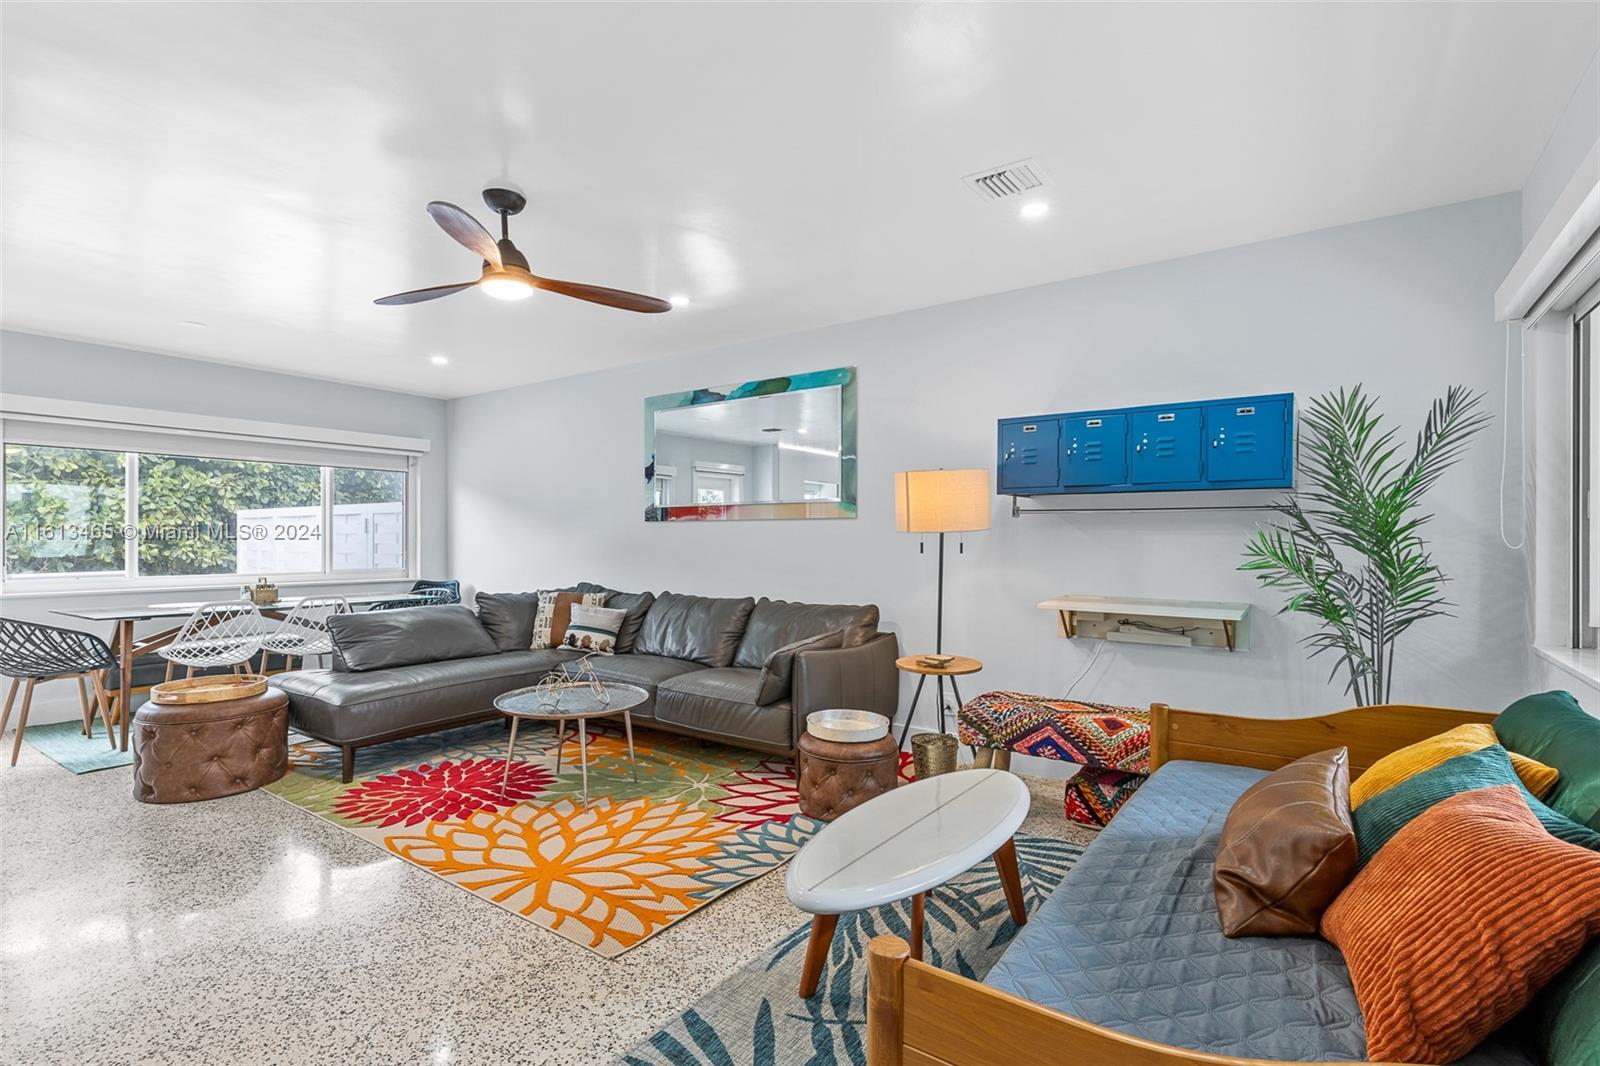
x=822 y=926
x=22 y=719
x=103 y=701
x=83 y=704
x=188 y=673
x=170 y=665
x=11 y=695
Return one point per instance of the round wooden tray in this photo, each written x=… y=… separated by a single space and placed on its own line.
x=209 y=689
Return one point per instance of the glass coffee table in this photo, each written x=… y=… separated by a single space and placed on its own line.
x=560 y=703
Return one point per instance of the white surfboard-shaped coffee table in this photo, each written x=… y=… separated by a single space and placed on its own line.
x=903 y=843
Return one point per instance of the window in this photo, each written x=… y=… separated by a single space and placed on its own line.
x=1585 y=443
x=83 y=515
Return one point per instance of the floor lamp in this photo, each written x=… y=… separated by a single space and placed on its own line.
x=939 y=501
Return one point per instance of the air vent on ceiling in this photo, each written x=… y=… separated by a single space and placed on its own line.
x=1002 y=183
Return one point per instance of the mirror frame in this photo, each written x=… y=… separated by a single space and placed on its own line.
x=843 y=507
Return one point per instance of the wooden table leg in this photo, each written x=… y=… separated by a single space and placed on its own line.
x=1005 y=861
x=822 y=927
x=124 y=647
x=916 y=925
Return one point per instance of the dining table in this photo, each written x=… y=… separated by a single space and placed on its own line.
x=125 y=648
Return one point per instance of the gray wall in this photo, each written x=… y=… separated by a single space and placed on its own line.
x=44 y=366
x=1400 y=304
x=1575 y=134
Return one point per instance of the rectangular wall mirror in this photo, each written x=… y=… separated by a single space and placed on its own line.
x=773 y=448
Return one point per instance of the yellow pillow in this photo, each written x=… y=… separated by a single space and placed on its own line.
x=1396 y=766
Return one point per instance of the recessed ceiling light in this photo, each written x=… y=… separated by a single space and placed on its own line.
x=195 y=325
x=439 y=360
x=678 y=301
x=1034 y=209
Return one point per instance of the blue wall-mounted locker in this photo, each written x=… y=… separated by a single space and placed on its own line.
x=1246 y=442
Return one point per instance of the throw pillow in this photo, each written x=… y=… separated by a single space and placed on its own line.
x=1426 y=754
x=1287 y=849
x=508 y=617
x=1458 y=922
x=1565 y=1019
x=1554 y=729
x=555 y=609
x=637 y=604
x=594 y=629
x=777 y=673
x=1385 y=814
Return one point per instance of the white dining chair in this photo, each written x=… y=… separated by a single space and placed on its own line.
x=304 y=631
x=217 y=634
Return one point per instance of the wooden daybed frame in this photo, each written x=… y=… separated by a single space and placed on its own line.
x=920 y=1015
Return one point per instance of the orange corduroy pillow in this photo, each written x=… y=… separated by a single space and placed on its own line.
x=1457 y=923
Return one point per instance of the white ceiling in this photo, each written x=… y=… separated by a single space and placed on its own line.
x=263 y=169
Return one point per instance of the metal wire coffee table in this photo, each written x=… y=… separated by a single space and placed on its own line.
x=562 y=701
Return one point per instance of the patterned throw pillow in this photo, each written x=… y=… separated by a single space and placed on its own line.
x=1385 y=814
x=594 y=629
x=555 y=609
x=1426 y=754
x=1457 y=923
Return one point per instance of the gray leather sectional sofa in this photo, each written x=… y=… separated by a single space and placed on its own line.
x=741 y=671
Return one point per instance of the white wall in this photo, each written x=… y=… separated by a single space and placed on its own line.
x=44 y=366
x=1401 y=304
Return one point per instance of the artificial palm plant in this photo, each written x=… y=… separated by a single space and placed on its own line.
x=1349 y=549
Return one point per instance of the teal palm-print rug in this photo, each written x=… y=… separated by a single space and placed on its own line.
x=756 y=1016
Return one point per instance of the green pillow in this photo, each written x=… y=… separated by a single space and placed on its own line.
x=1552 y=728
x=1385 y=814
x=1566 y=1016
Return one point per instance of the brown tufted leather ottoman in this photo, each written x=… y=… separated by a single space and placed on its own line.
x=834 y=776
x=202 y=751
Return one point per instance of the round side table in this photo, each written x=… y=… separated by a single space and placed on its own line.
x=913 y=664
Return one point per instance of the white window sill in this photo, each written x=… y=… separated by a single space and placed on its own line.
x=20 y=591
x=1581 y=663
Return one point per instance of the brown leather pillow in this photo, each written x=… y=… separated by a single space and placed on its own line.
x=1287 y=849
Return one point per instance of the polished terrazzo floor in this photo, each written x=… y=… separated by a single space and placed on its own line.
x=245 y=931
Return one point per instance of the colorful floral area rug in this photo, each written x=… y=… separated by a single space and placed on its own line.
x=756 y=1017
x=639 y=856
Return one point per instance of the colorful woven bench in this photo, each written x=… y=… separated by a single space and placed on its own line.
x=1111 y=743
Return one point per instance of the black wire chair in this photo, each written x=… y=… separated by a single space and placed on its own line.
x=450 y=585
x=33 y=652
x=430 y=597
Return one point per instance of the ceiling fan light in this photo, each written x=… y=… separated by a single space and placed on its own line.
x=506 y=286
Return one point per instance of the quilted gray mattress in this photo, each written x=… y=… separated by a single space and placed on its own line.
x=1131 y=941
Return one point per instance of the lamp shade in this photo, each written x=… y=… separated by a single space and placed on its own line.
x=941 y=501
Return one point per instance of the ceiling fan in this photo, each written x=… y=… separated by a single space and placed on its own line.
x=505 y=270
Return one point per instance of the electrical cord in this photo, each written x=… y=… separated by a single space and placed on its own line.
x=1085 y=671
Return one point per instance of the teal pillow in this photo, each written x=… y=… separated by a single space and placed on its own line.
x=1566 y=1016
x=1385 y=814
x=1552 y=728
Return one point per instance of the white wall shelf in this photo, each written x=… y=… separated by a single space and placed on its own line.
x=1169 y=623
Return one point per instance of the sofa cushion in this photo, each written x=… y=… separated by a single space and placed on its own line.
x=646 y=671
x=1458 y=922
x=697 y=628
x=508 y=618
x=1413 y=759
x=777 y=673
x=377 y=640
x=637 y=604
x=1552 y=728
x=776 y=623
x=721 y=702
x=1287 y=848
x=1385 y=814
x=351 y=707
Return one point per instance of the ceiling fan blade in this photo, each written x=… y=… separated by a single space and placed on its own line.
x=468 y=231
x=597 y=294
x=416 y=296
